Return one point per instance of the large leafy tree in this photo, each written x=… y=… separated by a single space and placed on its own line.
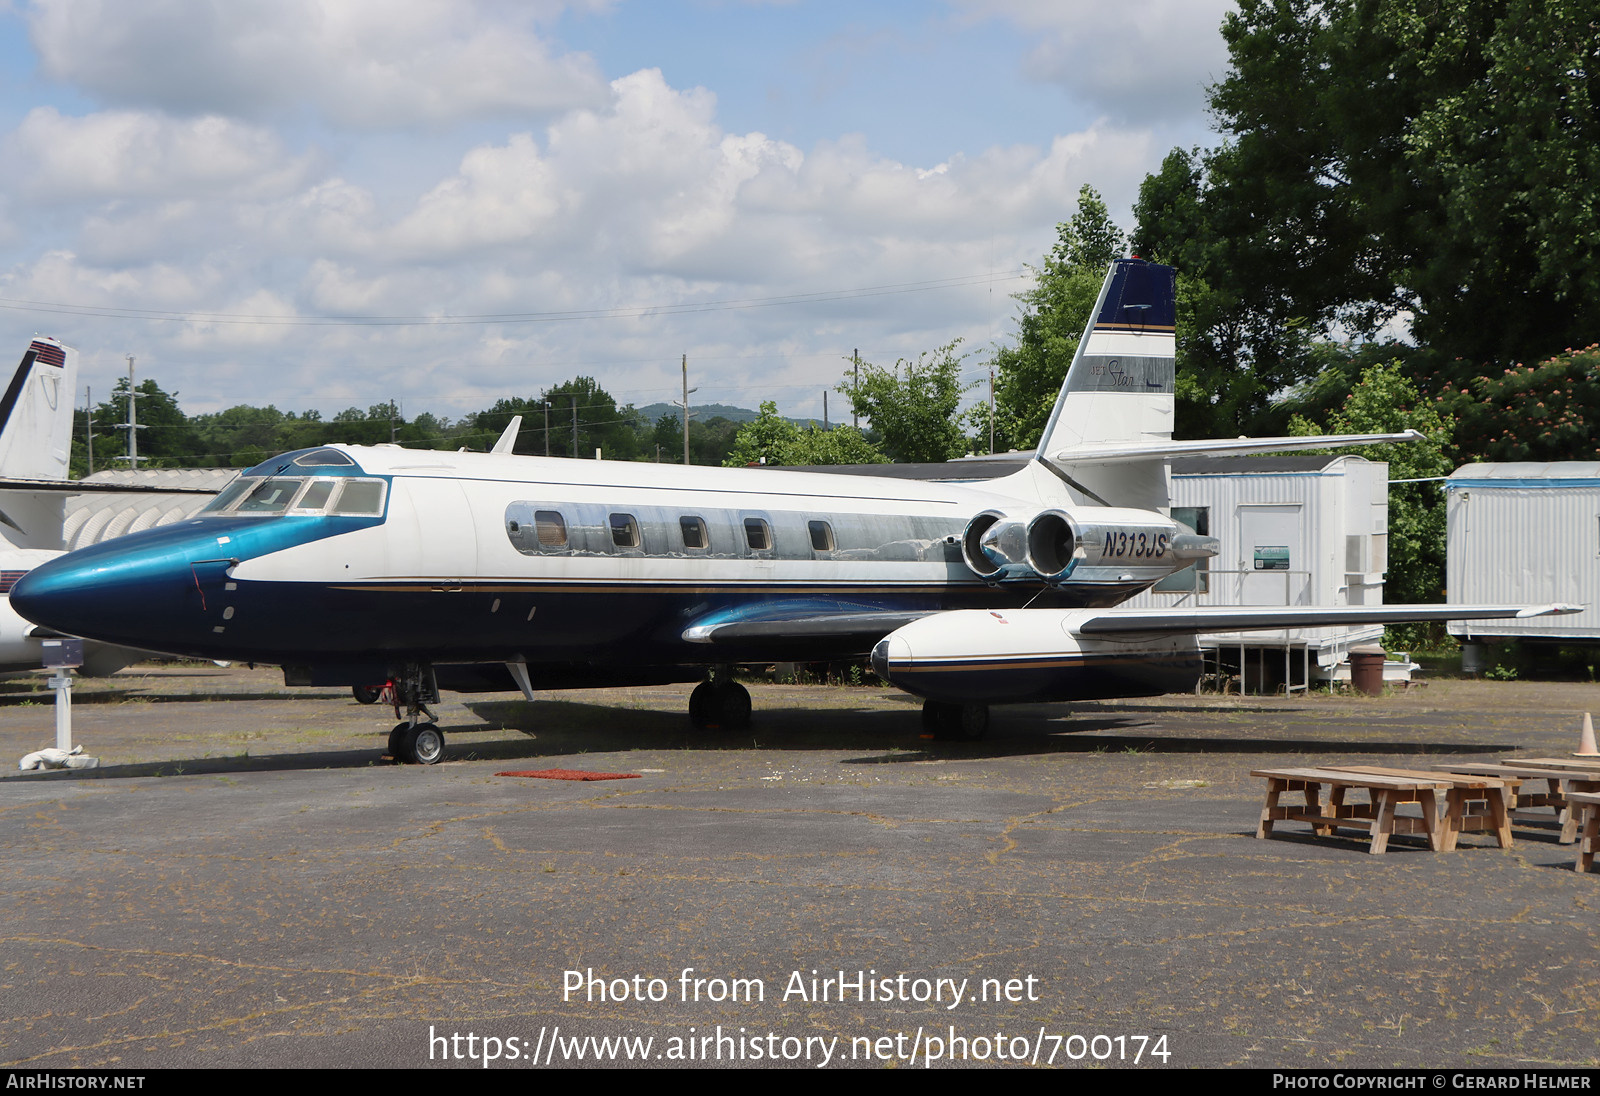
x=1435 y=157
x=165 y=437
x=1241 y=339
x=1028 y=376
x=912 y=407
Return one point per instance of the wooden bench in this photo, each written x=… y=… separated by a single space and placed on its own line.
x=1587 y=806
x=1560 y=782
x=1472 y=803
x=1376 y=816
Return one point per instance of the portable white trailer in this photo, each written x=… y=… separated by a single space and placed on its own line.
x=1524 y=533
x=1293 y=531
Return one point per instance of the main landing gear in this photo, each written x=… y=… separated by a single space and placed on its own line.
x=417 y=740
x=955 y=722
x=721 y=703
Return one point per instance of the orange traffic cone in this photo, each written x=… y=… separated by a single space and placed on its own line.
x=1586 y=746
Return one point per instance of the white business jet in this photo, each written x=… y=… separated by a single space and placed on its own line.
x=350 y=565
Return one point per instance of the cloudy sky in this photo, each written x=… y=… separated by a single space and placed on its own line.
x=325 y=203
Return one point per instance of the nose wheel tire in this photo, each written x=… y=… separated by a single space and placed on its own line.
x=724 y=705
x=419 y=745
x=955 y=722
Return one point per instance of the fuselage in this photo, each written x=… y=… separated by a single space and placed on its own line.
x=346 y=561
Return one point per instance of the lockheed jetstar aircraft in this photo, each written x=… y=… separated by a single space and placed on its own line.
x=348 y=565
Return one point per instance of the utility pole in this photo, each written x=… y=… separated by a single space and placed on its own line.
x=991 y=409
x=547 y=428
x=855 y=356
x=685 y=406
x=825 y=409
x=132 y=424
x=574 y=427
x=88 y=424
x=391 y=421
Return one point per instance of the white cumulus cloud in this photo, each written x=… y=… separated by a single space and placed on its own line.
x=358 y=63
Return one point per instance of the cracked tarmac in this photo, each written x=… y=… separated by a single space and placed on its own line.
x=244 y=884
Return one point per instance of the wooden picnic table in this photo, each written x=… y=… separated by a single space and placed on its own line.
x=1560 y=782
x=1586 y=805
x=1472 y=803
x=1376 y=816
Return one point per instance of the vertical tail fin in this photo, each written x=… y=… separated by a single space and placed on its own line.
x=36 y=413
x=36 y=442
x=1119 y=388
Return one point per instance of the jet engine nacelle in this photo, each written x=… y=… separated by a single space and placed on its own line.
x=1055 y=546
x=995 y=656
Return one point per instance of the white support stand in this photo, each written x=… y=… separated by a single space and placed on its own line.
x=61 y=655
x=61 y=682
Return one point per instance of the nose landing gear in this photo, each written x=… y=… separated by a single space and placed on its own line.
x=720 y=702
x=955 y=722
x=417 y=740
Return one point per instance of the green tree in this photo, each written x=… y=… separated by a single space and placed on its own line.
x=770 y=438
x=166 y=438
x=1430 y=156
x=1028 y=376
x=601 y=424
x=1387 y=402
x=1544 y=412
x=1240 y=340
x=912 y=407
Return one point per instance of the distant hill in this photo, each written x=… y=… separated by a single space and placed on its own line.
x=704 y=412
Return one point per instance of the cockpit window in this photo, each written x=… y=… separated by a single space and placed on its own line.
x=228 y=496
x=316 y=496
x=323 y=458
x=269 y=496
x=360 y=497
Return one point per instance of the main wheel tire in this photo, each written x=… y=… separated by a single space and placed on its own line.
x=425 y=744
x=366 y=694
x=702 y=704
x=733 y=706
x=973 y=722
x=397 y=742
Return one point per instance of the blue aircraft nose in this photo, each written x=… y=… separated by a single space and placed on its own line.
x=134 y=598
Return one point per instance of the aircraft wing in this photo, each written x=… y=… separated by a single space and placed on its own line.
x=1221 y=447
x=84 y=487
x=1245 y=618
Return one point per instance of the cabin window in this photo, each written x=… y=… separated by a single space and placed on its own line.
x=551 y=528
x=360 y=497
x=757 y=534
x=316 y=496
x=270 y=496
x=821 y=536
x=694 y=532
x=624 y=531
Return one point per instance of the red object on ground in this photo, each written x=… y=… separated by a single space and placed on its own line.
x=569 y=774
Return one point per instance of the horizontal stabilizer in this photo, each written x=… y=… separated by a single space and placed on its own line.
x=1236 y=618
x=1220 y=447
